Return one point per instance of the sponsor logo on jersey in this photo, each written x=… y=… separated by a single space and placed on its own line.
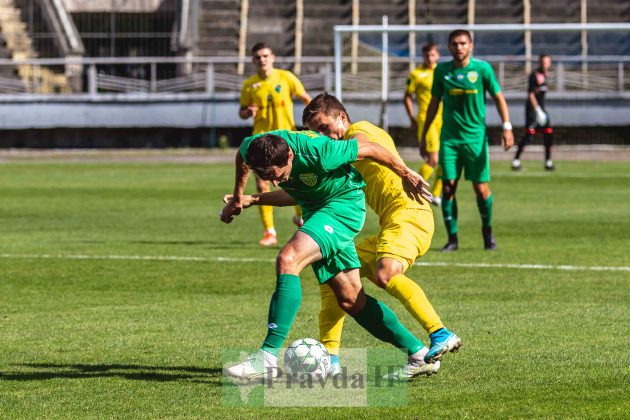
x=460 y=77
x=309 y=179
x=329 y=229
x=472 y=76
x=540 y=78
x=277 y=88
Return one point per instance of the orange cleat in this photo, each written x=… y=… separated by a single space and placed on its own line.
x=269 y=239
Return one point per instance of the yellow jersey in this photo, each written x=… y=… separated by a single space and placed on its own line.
x=419 y=83
x=272 y=96
x=384 y=191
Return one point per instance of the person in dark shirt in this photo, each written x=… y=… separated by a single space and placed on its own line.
x=536 y=117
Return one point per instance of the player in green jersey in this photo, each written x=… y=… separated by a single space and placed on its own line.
x=462 y=83
x=314 y=171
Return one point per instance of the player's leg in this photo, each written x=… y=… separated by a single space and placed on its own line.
x=299 y=252
x=451 y=164
x=266 y=216
x=433 y=148
x=379 y=320
x=548 y=141
x=477 y=170
x=331 y=316
x=527 y=138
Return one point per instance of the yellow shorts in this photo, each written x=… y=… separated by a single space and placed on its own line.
x=404 y=236
x=433 y=135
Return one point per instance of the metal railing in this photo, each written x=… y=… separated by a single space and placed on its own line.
x=216 y=77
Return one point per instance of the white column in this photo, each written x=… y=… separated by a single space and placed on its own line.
x=242 y=37
x=299 y=27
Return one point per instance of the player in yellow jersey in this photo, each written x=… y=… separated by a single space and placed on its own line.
x=406 y=231
x=267 y=97
x=419 y=85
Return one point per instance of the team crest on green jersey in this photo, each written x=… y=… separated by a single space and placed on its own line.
x=309 y=179
x=472 y=76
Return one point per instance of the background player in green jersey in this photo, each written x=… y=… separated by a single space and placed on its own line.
x=462 y=84
x=314 y=171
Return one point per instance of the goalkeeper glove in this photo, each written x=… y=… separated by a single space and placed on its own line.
x=541 y=117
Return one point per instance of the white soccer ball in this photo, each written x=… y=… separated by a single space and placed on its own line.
x=306 y=356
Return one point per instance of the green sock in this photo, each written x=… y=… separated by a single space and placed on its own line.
x=449 y=214
x=382 y=323
x=485 y=210
x=283 y=307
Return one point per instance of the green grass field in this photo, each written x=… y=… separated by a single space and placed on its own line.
x=89 y=327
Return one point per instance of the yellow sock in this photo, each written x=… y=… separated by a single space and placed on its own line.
x=437 y=188
x=266 y=215
x=298 y=211
x=415 y=301
x=331 y=318
x=426 y=171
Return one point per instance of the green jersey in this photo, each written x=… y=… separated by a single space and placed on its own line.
x=464 y=92
x=321 y=171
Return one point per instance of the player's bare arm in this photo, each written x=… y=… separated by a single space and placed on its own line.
x=305 y=98
x=234 y=207
x=532 y=100
x=408 y=102
x=415 y=186
x=247 y=111
x=507 y=138
x=432 y=110
x=278 y=198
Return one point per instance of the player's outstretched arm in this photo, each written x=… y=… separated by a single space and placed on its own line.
x=507 y=138
x=413 y=183
x=432 y=110
x=278 y=198
x=408 y=102
x=234 y=206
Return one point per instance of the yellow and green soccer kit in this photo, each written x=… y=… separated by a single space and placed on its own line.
x=464 y=143
x=273 y=97
x=419 y=83
x=406 y=229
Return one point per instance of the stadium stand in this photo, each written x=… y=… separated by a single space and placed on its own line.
x=219 y=24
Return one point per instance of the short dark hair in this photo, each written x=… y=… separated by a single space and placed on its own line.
x=459 y=32
x=260 y=46
x=543 y=55
x=266 y=151
x=326 y=104
x=428 y=47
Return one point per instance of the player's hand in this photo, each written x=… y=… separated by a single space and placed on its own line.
x=423 y=148
x=416 y=187
x=507 y=139
x=231 y=209
x=252 y=110
x=541 y=116
x=246 y=200
x=414 y=125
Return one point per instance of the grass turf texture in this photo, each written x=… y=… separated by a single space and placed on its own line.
x=144 y=338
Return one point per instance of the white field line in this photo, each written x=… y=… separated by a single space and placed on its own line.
x=270 y=260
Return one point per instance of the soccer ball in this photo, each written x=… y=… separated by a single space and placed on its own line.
x=306 y=356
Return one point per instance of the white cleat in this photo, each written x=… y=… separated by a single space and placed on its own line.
x=436 y=201
x=516 y=165
x=255 y=368
x=415 y=367
x=298 y=221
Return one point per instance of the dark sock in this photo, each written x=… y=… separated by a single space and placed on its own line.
x=521 y=145
x=548 y=140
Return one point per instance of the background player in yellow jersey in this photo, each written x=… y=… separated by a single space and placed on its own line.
x=267 y=97
x=406 y=231
x=419 y=85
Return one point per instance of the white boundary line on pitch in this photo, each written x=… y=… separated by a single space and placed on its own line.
x=268 y=260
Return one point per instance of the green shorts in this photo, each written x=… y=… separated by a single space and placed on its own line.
x=472 y=156
x=334 y=228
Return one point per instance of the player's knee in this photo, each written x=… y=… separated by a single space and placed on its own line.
x=448 y=189
x=286 y=262
x=432 y=161
x=382 y=278
x=348 y=304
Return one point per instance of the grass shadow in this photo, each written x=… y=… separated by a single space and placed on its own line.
x=46 y=371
